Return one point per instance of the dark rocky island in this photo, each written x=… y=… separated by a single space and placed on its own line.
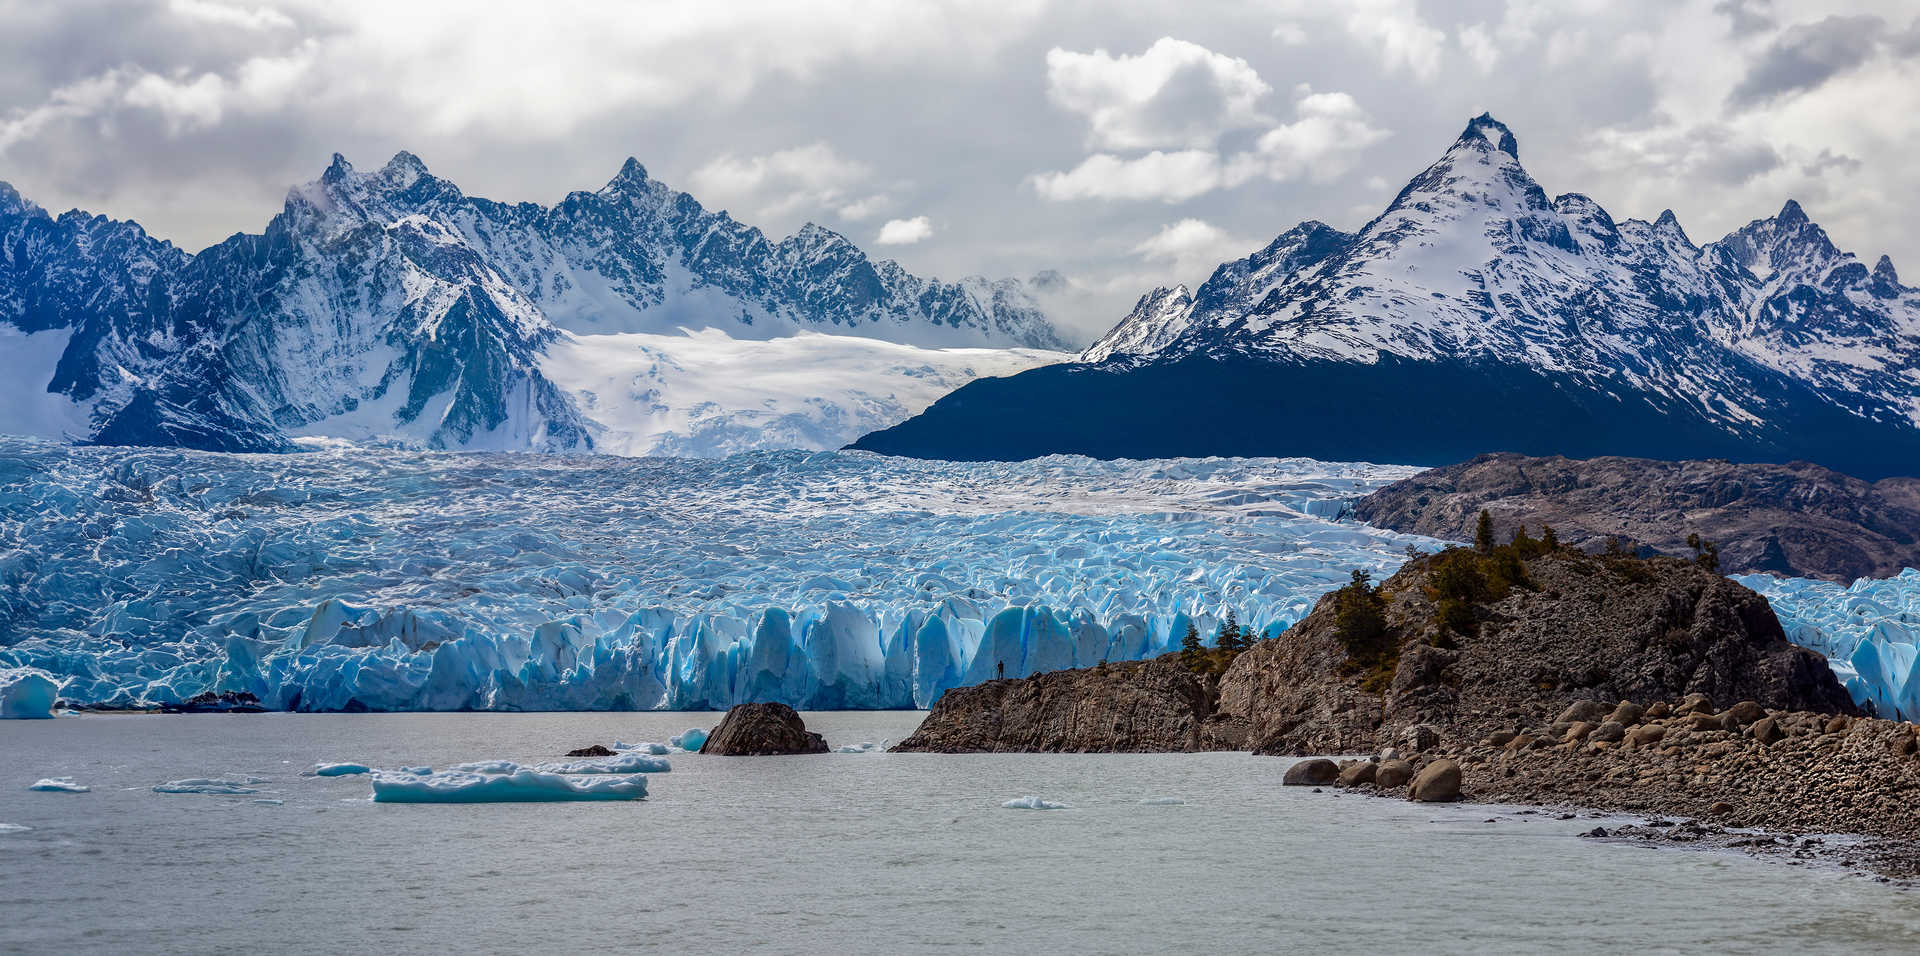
x=762 y=730
x=1524 y=674
x=1798 y=519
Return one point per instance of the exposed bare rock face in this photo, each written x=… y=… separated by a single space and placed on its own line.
x=1797 y=519
x=762 y=730
x=1148 y=706
x=1587 y=628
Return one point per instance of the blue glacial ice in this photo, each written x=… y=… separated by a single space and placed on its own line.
x=1869 y=630
x=216 y=786
x=340 y=769
x=364 y=579
x=633 y=762
x=350 y=579
x=692 y=740
x=1031 y=802
x=26 y=692
x=58 y=785
x=502 y=782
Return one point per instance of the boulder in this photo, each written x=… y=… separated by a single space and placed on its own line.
x=1610 y=732
x=1578 y=732
x=1695 y=703
x=1419 y=737
x=1767 y=731
x=1744 y=713
x=1838 y=724
x=1590 y=711
x=1646 y=735
x=1312 y=772
x=1627 y=713
x=1437 y=782
x=1658 y=710
x=1357 y=773
x=762 y=730
x=1392 y=773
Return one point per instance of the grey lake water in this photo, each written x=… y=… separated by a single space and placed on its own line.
x=844 y=853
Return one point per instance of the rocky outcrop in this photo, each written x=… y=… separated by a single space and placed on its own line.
x=1583 y=628
x=229 y=702
x=762 y=730
x=1798 y=519
x=1155 y=705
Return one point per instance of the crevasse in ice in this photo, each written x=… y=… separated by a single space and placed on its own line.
x=1869 y=631
x=350 y=578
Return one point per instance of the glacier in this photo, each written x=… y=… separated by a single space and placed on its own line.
x=355 y=579
x=351 y=579
x=1869 y=630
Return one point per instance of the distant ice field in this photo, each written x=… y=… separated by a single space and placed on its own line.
x=351 y=578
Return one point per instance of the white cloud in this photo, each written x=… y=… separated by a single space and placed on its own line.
x=1395 y=30
x=1477 y=42
x=1193 y=248
x=904 y=232
x=229 y=15
x=803 y=179
x=1321 y=144
x=186 y=103
x=1329 y=132
x=1290 y=34
x=1176 y=94
x=1169 y=177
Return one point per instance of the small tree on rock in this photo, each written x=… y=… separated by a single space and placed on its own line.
x=1483 y=532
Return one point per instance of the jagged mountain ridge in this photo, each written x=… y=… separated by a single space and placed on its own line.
x=390 y=304
x=1491 y=302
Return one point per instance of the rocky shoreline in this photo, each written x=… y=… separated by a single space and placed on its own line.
x=1643 y=686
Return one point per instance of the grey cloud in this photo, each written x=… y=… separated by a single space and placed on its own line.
x=1808 y=55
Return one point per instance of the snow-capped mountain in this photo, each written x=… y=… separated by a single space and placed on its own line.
x=1477 y=314
x=389 y=305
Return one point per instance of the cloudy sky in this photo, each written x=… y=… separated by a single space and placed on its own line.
x=1124 y=146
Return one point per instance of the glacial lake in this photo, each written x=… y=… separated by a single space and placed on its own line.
x=844 y=853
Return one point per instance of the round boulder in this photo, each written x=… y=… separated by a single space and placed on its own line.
x=1437 y=782
x=1392 y=773
x=1313 y=772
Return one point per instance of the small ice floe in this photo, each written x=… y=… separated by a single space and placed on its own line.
x=618 y=763
x=218 y=786
x=1163 y=802
x=417 y=771
x=502 y=782
x=692 y=740
x=340 y=769
x=1031 y=802
x=59 y=785
x=14 y=828
x=864 y=747
x=644 y=746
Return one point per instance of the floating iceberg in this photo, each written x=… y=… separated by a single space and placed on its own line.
x=645 y=747
x=218 y=786
x=59 y=785
x=14 y=828
x=1031 y=802
x=340 y=769
x=25 y=692
x=354 y=579
x=634 y=762
x=500 y=785
x=692 y=740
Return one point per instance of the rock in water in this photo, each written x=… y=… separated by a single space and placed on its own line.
x=597 y=750
x=1437 y=782
x=1317 y=772
x=1154 y=706
x=1392 y=773
x=762 y=730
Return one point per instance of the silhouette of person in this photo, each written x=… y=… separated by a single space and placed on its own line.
x=1002 y=665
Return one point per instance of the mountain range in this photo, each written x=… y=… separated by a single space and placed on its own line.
x=1478 y=314
x=388 y=305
